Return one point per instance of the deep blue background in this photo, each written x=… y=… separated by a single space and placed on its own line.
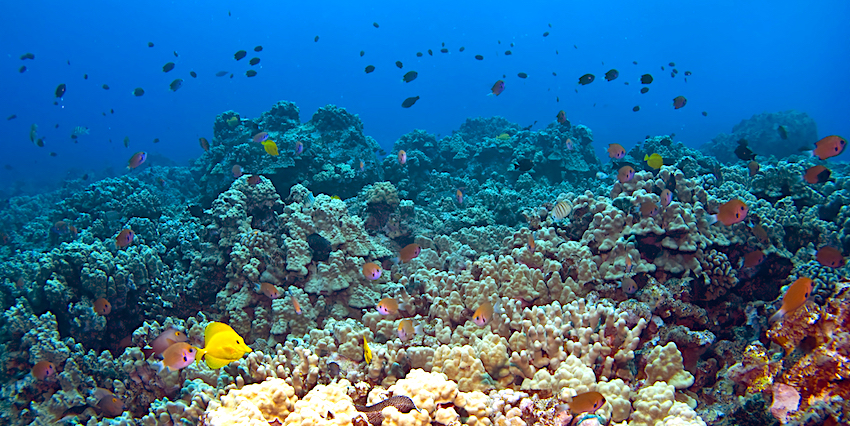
x=761 y=56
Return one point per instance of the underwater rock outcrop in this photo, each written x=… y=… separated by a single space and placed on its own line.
x=763 y=135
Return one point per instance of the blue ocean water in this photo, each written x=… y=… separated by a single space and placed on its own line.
x=746 y=58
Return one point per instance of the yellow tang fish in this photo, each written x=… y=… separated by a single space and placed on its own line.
x=222 y=345
x=270 y=147
x=233 y=121
x=504 y=136
x=367 y=353
x=655 y=160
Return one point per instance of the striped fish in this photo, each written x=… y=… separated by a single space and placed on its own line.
x=561 y=210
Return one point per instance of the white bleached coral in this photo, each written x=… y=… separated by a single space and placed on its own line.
x=665 y=365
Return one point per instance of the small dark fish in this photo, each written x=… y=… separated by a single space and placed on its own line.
x=430 y=52
x=675 y=71
x=679 y=102
x=444 y=50
x=612 y=75
x=231 y=75
x=418 y=54
x=744 y=152
x=550 y=25
x=156 y=140
x=258 y=49
x=69 y=61
x=409 y=102
x=636 y=108
x=523 y=164
x=399 y=64
x=111 y=111
x=634 y=62
x=126 y=141
x=672 y=75
x=85 y=76
x=239 y=55
x=512 y=45
x=168 y=67
x=254 y=61
x=443 y=44
x=85 y=177
x=105 y=87
x=586 y=79
x=369 y=68
x=662 y=68
x=362 y=52
x=104 y=114
x=557 y=99
x=228 y=13
x=508 y=53
x=546 y=34
x=687 y=73
x=22 y=69
x=138 y=91
x=52 y=154
x=316 y=39
x=39 y=143
x=783 y=132
x=193 y=74
x=221 y=74
x=672 y=64
x=11 y=117
x=176 y=84
x=522 y=75
x=479 y=57
x=645 y=79
x=705 y=114
x=175 y=54
x=461 y=49
x=554 y=73
x=644 y=90
x=27 y=55
x=150 y=44
x=375 y=24
x=60 y=91
x=410 y=76
x=250 y=73
x=575 y=46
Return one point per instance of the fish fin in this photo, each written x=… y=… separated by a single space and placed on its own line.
x=776 y=317
x=418 y=329
x=214 y=328
x=199 y=355
x=159 y=365
x=497 y=308
x=712 y=219
x=215 y=363
x=147 y=352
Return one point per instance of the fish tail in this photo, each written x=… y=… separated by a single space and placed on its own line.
x=497 y=308
x=418 y=329
x=712 y=219
x=159 y=365
x=200 y=355
x=776 y=317
x=645 y=157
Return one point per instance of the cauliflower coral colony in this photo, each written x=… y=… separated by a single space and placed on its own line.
x=439 y=285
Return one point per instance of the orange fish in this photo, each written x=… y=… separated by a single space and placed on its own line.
x=236 y=170
x=137 y=159
x=629 y=285
x=625 y=174
x=295 y=304
x=372 y=270
x=752 y=259
x=587 y=402
x=753 y=167
x=409 y=252
x=568 y=144
x=406 y=329
x=562 y=117
x=108 y=402
x=629 y=265
x=43 y=369
x=729 y=213
x=498 y=88
x=253 y=180
x=268 y=289
x=102 y=307
x=616 y=150
x=388 y=306
x=828 y=147
x=817 y=174
x=168 y=338
x=177 y=356
x=124 y=238
x=362 y=166
x=402 y=157
x=532 y=246
x=485 y=313
x=205 y=144
x=830 y=256
x=648 y=209
x=459 y=195
x=795 y=297
x=666 y=197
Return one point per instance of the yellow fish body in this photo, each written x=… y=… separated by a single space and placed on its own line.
x=367 y=353
x=655 y=160
x=233 y=121
x=221 y=345
x=504 y=136
x=270 y=147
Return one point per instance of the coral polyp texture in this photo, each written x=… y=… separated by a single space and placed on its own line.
x=494 y=278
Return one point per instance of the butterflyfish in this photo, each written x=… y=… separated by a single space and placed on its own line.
x=222 y=345
x=367 y=353
x=794 y=297
x=561 y=210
